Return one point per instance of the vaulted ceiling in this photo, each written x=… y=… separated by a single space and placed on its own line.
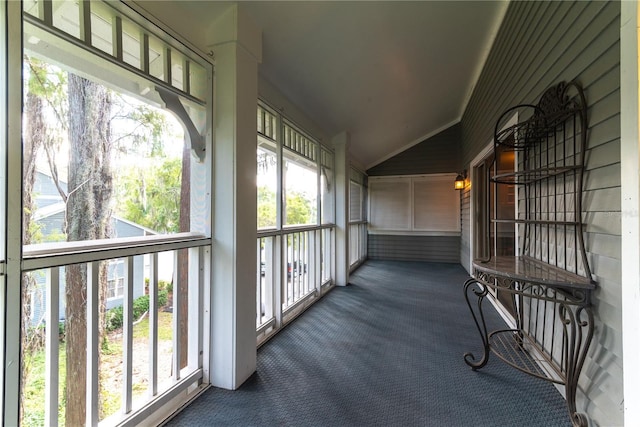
x=390 y=73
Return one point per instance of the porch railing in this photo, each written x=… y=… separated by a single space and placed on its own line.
x=357 y=243
x=294 y=268
x=149 y=358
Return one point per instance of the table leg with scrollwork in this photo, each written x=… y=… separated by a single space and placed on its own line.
x=553 y=328
x=480 y=291
x=578 y=328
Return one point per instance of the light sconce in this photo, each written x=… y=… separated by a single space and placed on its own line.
x=460 y=180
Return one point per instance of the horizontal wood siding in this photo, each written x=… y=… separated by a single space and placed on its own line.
x=414 y=248
x=438 y=154
x=465 y=218
x=538 y=45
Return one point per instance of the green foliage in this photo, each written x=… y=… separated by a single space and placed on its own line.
x=166 y=286
x=163 y=298
x=46 y=81
x=33 y=393
x=299 y=209
x=106 y=347
x=152 y=198
x=115 y=317
x=54 y=235
x=140 y=306
x=34 y=230
x=266 y=207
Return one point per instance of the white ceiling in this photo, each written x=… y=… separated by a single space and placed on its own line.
x=390 y=73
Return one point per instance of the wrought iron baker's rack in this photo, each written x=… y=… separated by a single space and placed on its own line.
x=549 y=281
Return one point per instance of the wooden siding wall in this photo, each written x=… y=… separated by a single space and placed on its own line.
x=414 y=248
x=465 y=218
x=438 y=154
x=538 y=45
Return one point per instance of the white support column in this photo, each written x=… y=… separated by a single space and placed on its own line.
x=236 y=44
x=341 y=147
x=630 y=189
x=10 y=299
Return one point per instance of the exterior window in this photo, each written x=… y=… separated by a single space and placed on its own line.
x=267 y=164
x=357 y=218
x=115 y=279
x=115 y=113
x=301 y=190
x=100 y=163
x=115 y=288
x=296 y=211
x=355 y=202
x=300 y=177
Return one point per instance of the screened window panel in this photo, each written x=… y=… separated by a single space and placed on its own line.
x=131 y=44
x=300 y=187
x=267 y=183
x=420 y=204
x=267 y=123
x=355 y=202
x=435 y=205
x=296 y=141
x=390 y=204
x=66 y=17
x=103 y=26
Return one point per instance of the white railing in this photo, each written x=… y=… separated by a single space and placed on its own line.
x=357 y=243
x=150 y=358
x=294 y=268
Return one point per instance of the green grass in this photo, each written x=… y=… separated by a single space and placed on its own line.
x=35 y=387
x=34 y=390
x=165 y=327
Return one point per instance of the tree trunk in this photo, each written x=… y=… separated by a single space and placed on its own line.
x=33 y=140
x=183 y=255
x=88 y=217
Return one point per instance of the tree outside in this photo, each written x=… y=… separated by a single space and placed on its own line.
x=116 y=156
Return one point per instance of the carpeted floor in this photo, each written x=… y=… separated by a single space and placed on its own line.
x=385 y=351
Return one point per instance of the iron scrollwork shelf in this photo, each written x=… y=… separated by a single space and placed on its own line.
x=548 y=285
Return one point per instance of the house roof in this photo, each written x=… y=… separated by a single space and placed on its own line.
x=52 y=205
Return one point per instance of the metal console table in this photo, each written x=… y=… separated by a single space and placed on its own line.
x=549 y=281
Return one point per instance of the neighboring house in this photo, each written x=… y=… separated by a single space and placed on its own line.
x=50 y=217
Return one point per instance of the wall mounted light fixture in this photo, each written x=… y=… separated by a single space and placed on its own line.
x=460 y=180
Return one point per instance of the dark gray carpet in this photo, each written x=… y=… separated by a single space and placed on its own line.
x=385 y=351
